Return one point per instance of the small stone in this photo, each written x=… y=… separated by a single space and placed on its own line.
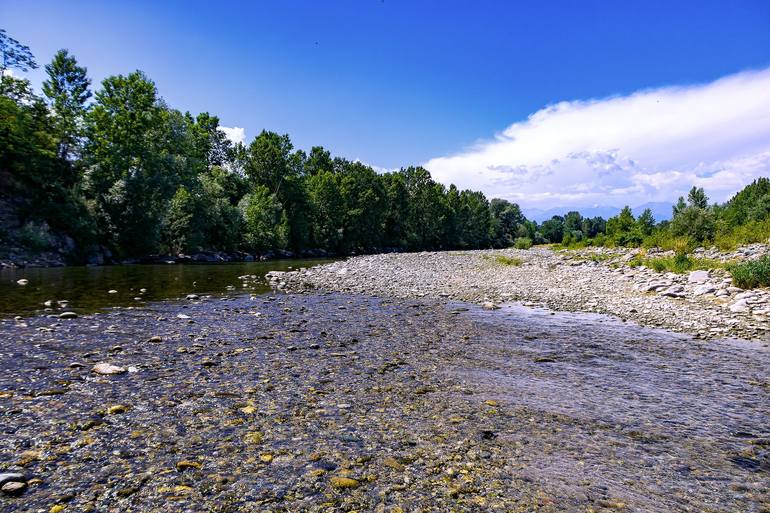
x=266 y=457
x=393 y=463
x=117 y=409
x=112 y=291
x=344 y=482
x=22 y=281
x=107 y=369
x=192 y=297
x=68 y=315
x=489 y=305
x=155 y=339
x=14 y=488
x=185 y=464
x=253 y=438
x=491 y=402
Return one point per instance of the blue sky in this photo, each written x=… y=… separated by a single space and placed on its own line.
x=395 y=83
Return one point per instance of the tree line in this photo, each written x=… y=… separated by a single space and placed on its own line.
x=120 y=169
x=743 y=219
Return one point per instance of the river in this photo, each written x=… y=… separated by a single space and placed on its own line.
x=87 y=289
x=332 y=402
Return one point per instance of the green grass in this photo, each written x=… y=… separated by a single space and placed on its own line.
x=752 y=274
x=505 y=260
x=676 y=264
x=749 y=233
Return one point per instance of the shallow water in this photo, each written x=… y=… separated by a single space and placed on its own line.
x=428 y=406
x=86 y=289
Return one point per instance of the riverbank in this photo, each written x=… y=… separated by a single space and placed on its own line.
x=702 y=303
x=16 y=258
x=333 y=402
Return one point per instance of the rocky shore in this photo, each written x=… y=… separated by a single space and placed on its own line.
x=339 y=403
x=702 y=303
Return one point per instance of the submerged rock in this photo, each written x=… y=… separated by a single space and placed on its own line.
x=107 y=369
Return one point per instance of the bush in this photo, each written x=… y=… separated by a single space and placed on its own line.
x=34 y=237
x=752 y=274
x=522 y=243
x=506 y=260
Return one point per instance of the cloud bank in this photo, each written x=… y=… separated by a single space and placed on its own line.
x=236 y=134
x=652 y=145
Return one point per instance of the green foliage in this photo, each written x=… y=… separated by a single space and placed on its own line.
x=751 y=274
x=67 y=91
x=505 y=260
x=33 y=237
x=264 y=220
x=14 y=55
x=522 y=243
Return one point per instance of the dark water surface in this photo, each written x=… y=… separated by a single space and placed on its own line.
x=87 y=289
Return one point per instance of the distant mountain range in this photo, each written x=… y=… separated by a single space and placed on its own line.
x=661 y=211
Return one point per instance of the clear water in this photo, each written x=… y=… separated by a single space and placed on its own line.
x=87 y=289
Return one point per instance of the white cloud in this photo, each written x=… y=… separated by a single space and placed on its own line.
x=378 y=169
x=652 y=145
x=236 y=134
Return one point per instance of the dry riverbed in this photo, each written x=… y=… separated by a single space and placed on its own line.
x=334 y=402
x=702 y=303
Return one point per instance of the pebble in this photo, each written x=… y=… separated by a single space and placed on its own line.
x=14 y=488
x=344 y=482
x=107 y=369
x=68 y=315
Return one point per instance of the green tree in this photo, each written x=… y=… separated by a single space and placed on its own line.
x=623 y=228
x=552 y=230
x=646 y=222
x=264 y=222
x=697 y=198
x=327 y=210
x=125 y=178
x=14 y=55
x=67 y=91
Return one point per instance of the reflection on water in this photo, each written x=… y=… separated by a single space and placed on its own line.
x=91 y=288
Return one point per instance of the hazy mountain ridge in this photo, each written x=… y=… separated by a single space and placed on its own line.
x=660 y=210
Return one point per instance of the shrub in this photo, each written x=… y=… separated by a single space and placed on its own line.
x=522 y=243
x=34 y=237
x=752 y=274
x=506 y=260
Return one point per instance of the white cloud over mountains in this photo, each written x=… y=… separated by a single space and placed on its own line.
x=652 y=145
x=236 y=134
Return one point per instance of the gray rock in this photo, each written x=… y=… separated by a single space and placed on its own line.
x=704 y=289
x=68 y=315
x=107 y=369
x=739 y=306
x=14 y=488
x=698 y=277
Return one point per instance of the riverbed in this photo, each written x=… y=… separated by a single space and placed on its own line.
x=339 y=402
